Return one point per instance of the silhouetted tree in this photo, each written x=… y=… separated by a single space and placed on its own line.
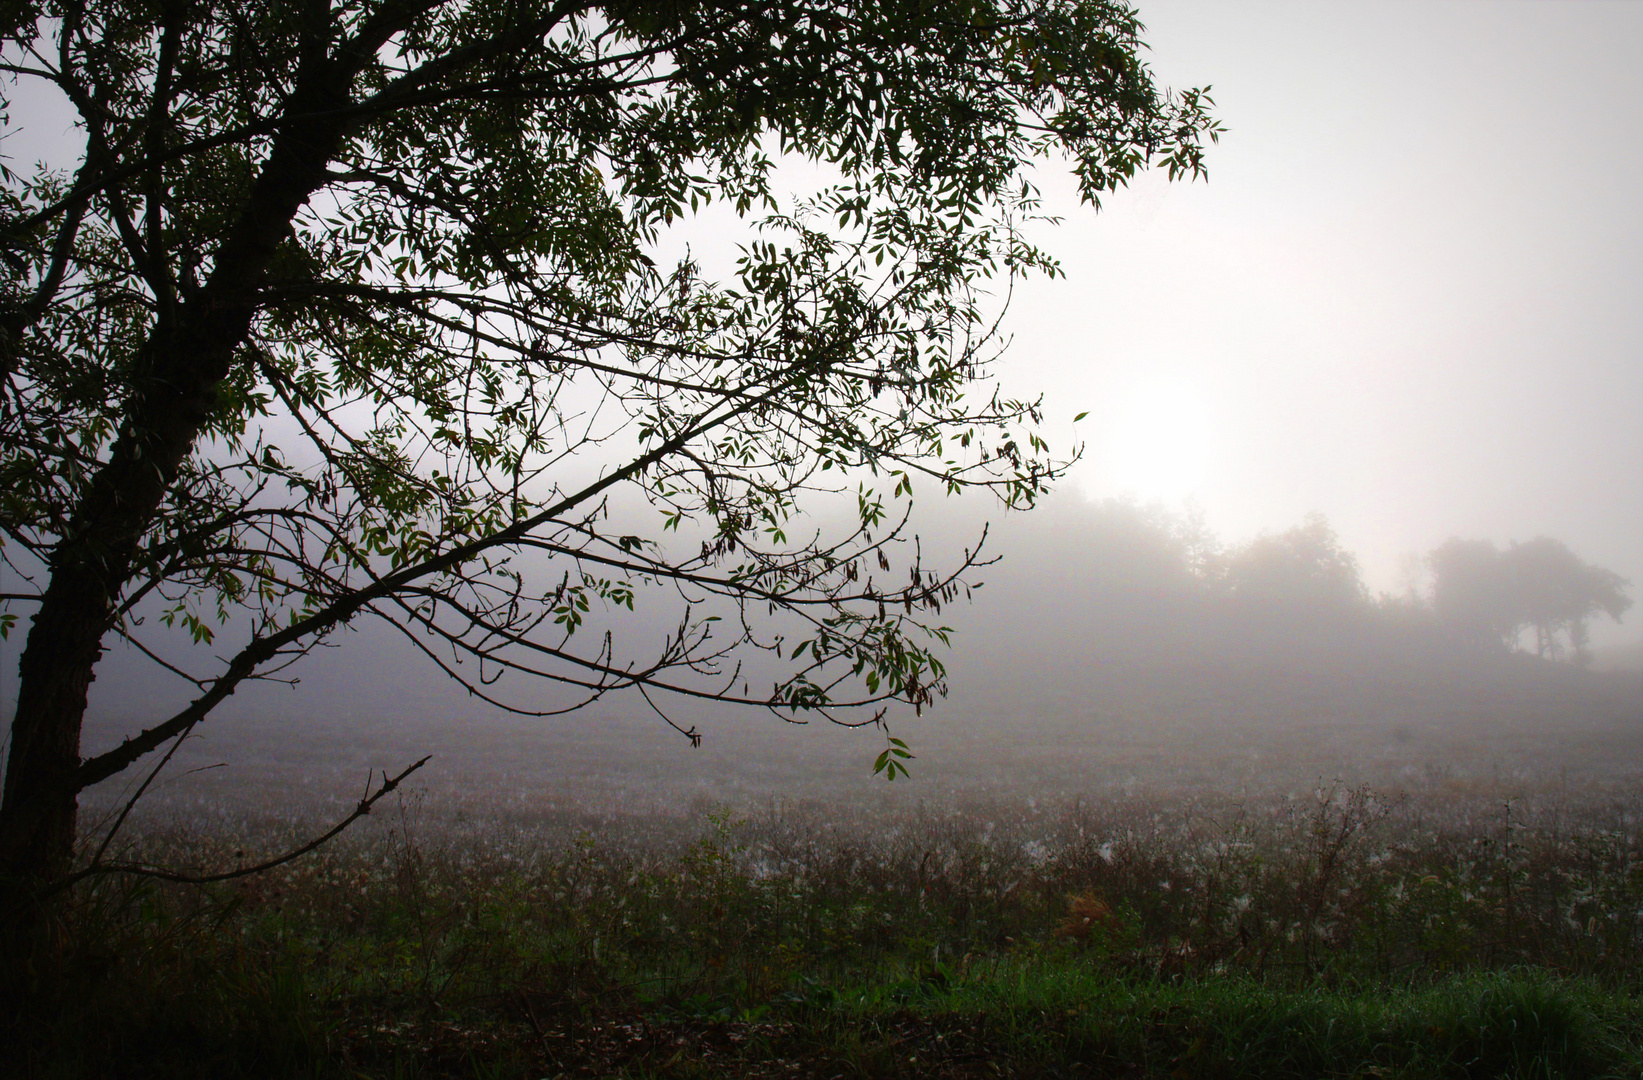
x=1471 y=596
x=1555 y=593
x=1303 y=568
x=1484 y=595
x=350 y=303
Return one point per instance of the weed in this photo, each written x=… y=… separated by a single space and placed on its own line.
x=1337 y=934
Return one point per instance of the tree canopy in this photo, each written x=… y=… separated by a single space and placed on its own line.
x=1302 y=567
x=361 y=308
x=1488 y=596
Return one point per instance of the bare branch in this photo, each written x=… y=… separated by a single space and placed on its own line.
x=389 y=784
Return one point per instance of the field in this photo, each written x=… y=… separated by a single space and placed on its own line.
x=1082 y=894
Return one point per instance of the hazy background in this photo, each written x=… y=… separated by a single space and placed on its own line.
x=1410 y=297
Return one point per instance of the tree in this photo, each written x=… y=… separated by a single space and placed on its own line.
x=1487 y=595
x=1470 y=595
x=1300 y=569
x=360 y=308
x=1554 y=592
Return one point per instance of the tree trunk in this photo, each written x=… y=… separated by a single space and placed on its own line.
x=89 y=567
x=184 y=360
x=37 y=816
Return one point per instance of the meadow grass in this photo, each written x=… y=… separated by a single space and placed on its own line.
x=1343 y=934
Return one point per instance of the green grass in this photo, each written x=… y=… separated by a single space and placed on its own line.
x=1075 y=1018
x=1328 y=941
x=1025 y=1016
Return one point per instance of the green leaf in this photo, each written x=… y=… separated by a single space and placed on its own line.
x=465 y=356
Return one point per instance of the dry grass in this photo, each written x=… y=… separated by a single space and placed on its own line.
x=1091 y=892
x=807 y=939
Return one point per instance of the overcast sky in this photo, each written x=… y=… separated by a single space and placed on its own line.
x=1410 y=295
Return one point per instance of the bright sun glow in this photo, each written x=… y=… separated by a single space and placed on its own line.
x=1157 y=441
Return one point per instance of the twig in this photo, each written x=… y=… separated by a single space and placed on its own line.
x=162 y=874
x=125 y=811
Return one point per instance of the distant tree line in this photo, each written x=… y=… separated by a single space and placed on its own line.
x=1303 y=567
x=1536 y=593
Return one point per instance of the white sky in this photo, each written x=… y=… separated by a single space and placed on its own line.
x=1410 y=295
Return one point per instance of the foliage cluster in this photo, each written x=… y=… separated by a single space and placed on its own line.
x=370 y=308
x=1490 y=596
x=1336 y=934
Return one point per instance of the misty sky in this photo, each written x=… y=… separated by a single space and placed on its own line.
x=1410 y=295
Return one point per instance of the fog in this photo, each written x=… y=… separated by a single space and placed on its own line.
x=1095 y=660
x=1409 y=298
